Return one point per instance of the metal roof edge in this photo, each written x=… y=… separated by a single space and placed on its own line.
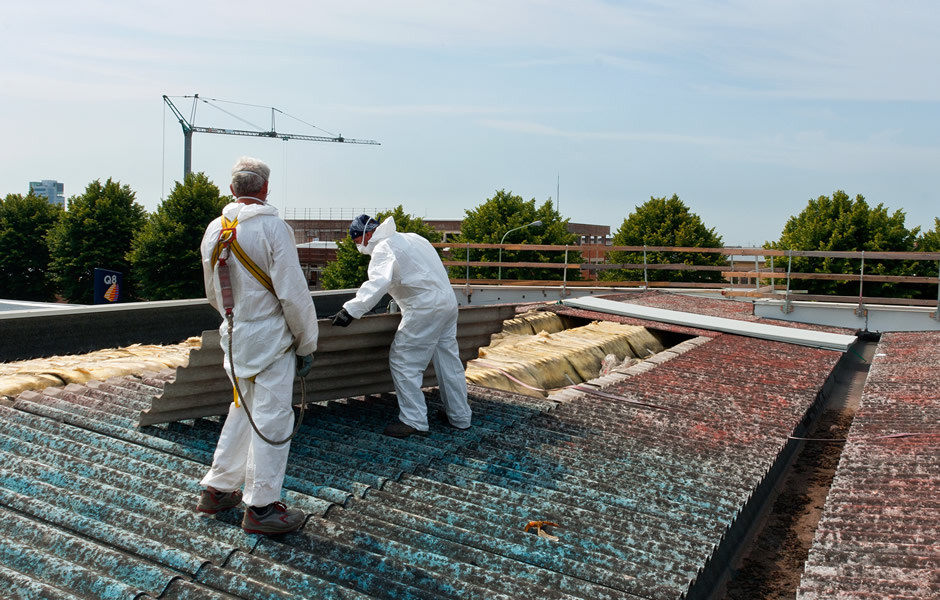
x=791 y=335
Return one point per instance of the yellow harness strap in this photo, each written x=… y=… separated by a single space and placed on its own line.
x=228 y=237
x=235 y=389
x=251 y=379
x=232 y=241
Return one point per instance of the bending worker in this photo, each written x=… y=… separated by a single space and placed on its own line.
x=273 y=339
x=406 y=266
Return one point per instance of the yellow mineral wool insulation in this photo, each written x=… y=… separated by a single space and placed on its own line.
x=533 y=322
x=527 y=359
x=554 y=360
x=493 y=378
x=529 y=323
x=12 y=385
x=40 y=373
x=585 y=347
x=572 y=356
x=641 y=340
x=644 y=341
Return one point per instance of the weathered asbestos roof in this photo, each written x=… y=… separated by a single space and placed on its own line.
x=646 y=478
x=879 y=535
x=642 y=496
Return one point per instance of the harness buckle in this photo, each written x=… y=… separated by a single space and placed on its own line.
x=227 y=236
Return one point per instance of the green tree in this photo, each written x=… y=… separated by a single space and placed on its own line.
x=666 y=222
x=95 y=232
x=24 y=255
x=842 y=224
x=929 y=241
x=165 y=254
x=351 y=267
x=499 y=215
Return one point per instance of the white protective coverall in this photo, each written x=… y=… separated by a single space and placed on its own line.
x=406 y=266
x=268 y=333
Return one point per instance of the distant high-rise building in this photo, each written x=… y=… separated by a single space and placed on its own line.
x=51 y=189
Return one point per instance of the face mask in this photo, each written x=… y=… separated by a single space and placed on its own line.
x=364 y=248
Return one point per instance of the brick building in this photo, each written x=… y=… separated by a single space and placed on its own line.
x=317 y=231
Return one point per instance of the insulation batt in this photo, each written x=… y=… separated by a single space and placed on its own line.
x=551 y=356
x=40 y=373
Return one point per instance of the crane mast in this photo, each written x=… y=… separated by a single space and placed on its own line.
x=189 y=128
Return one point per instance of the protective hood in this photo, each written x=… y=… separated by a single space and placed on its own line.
x=382 y=232
x=243 y=212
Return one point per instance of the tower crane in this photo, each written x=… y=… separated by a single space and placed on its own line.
x=189 y=128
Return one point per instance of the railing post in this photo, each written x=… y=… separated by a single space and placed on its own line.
x=936 y=313
x=732 y=278
x=860 y=310
x=786 y=308
x=564 y=276
x=773 y=287
x=468 y=266
x=757 y=279
x=645 y=280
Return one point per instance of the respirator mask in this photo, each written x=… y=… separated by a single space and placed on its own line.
x=363 y=247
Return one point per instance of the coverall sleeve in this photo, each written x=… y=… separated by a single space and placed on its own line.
x=381 y=274
x=208 y=273
x=292 y=291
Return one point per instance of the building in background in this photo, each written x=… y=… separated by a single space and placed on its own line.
x=316 y=232
x=313 y=257
x=324 y=224
x=51 y=189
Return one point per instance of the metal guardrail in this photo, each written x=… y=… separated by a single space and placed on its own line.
x=765 y=285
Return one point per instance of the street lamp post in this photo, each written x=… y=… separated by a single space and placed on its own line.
x=532 y=224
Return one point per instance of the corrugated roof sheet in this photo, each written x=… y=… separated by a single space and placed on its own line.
x=879 y=535
x=349 y=361
x=793 y=335
x=644 y=483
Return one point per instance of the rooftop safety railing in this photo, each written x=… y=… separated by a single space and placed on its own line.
x=751 y=272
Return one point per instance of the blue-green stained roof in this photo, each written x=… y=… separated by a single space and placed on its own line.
x=644 y=484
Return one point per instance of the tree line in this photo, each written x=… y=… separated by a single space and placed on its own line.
x=48 y=253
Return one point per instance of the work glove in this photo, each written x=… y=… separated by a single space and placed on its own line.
x=342 y=318
x=304 y=364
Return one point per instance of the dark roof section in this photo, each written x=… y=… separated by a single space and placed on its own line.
x=879 y=535
x=645 y=480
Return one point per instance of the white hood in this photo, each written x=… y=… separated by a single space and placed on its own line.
x=242 y=212
x=382 y=232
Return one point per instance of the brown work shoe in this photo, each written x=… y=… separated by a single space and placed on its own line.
x=442 y=418
x=400 y=430
x=212 y=500
x=273 y=519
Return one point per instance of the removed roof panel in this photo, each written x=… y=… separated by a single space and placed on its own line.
x=791 y=335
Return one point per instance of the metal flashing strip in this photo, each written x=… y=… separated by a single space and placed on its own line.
x=790 y=335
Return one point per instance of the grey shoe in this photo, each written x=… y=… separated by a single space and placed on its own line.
x=400 y=430
x=212 y=500
x=273 y=519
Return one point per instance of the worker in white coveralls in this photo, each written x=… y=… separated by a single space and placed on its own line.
x=406 y=266
x=273 y=339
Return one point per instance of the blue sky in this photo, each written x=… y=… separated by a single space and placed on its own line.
x=745 y=109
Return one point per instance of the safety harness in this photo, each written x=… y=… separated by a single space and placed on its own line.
x=229 y=241
x=226 y=246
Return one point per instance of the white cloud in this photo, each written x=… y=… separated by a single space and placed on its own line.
x=831 y=49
